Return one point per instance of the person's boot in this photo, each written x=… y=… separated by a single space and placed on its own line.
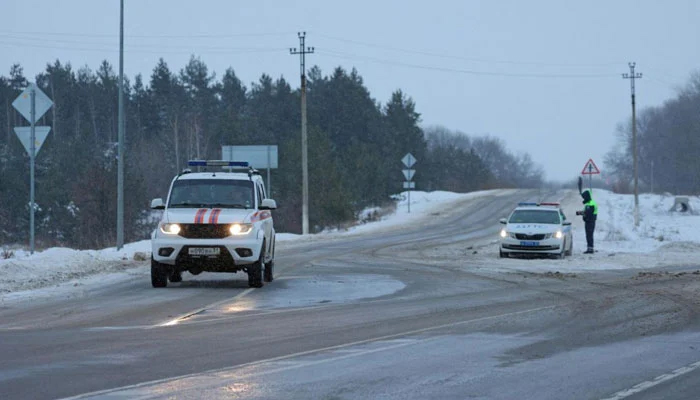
x=588 y=251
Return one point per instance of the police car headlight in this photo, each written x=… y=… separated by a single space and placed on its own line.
x=558 y=234
x=240 y=229
x=170 y=229
x=504 y=233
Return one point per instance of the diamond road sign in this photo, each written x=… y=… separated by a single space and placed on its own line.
x=24 y=134
x=408 y=160
x=23 y=103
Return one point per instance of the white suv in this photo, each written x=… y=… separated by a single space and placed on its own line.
x=216 y=222
x=536 y=228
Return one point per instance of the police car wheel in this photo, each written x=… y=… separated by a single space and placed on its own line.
x=562 y=254
x=571 y=250
x=159 y=274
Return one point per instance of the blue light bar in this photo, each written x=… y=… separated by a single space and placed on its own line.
x=526 y=204
x=217 y=163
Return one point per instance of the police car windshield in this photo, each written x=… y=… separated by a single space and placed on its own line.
x=211 y=193
x=535 y=217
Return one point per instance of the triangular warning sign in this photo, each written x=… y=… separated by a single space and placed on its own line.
x=24 y=134
x=590 y=168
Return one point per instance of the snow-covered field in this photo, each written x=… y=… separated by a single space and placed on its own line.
x=663 y=238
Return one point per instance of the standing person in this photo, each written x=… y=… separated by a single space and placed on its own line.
x=590 y=214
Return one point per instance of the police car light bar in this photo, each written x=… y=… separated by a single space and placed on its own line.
x=550 y=204
x=526 y=204
x=217 y=163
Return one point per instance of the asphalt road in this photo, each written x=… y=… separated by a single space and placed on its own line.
x=367 y=317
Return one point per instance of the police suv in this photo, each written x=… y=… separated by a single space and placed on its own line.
x=217 y=221
x=536 y=228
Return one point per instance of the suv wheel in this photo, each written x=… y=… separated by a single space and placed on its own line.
x=255 y=271
x=269 y=274
x=255 y=275
x=159 y=274
x=270 y=271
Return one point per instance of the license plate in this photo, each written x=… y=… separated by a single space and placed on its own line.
x=529 y=243
x=204 y=251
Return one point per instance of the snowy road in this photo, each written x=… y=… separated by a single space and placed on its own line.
x=368 y=316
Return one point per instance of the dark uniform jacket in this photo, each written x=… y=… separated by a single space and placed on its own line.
x=590 y=210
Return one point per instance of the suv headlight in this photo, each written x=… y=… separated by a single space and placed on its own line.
x=558 y=234
x=504 y=233
x=240 y=229
x=170 y=229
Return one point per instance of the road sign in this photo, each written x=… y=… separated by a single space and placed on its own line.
x=590 y=168
x=24 y=133
x=408 y=173
x=32 y=103
x=257 y=157
x=408 y=160
x=263 y=157
x=409 y=185
x=23 y=103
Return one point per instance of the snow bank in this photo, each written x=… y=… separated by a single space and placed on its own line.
x=55 y=265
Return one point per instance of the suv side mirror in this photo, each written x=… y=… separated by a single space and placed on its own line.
x=566 y=223
x=268 y=204
x=157 y=204
x=503 y=221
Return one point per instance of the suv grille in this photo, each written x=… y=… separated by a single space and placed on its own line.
x=204 y=231
x=523 y=236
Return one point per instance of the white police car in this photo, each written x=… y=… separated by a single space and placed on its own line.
x=536 y=228
x=214 y=221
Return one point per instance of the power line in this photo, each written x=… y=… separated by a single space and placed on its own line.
x=471 y=59
x=145 y=49
x=462 y=71
x=220 y=35
x=113 y=44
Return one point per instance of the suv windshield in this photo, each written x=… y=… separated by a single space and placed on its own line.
x=221 y=193
x=535 y=217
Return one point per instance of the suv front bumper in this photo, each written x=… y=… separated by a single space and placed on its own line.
x=172 y=249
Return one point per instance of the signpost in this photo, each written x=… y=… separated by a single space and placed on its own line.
x=408 y=160
x=32 y=103
x=590 y=169
x=257 y=157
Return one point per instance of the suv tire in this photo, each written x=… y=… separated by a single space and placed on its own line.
x=255 y=270
x=159 y=274
x=270 y=271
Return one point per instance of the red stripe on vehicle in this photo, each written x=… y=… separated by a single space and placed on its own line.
x=199 y=217
x=260 y=215
x=214 y=216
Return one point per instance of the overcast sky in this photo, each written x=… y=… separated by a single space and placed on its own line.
x=544 y=76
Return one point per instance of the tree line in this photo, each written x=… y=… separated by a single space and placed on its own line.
x=668 y=141
x=355 y=145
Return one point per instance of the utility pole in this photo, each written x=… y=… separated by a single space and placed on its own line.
x=303 y=51
x=632 y=76
x=120 y=123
